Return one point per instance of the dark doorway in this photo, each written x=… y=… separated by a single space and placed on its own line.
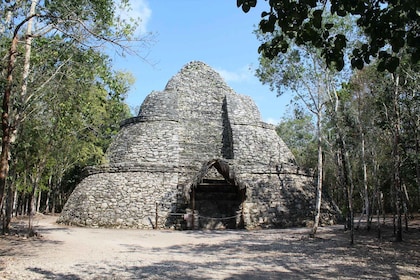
x=217 y=204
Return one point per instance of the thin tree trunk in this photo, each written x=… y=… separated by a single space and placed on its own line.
x=406 y=203
x=27 y=59
x=379 y=198
x=345 y=164
x=38 y=203
x=348 y=184
x=343 y=183
x=397 y=161
x=47 y=200
x=32 y=203
x=319 y=180
x=378 y=216
x=350 y=189
x=15 y=202
x=418 y=167
x=27 y=205
x=365 y=182
x=417 y=157
x=364 y=165
x=17 y=205
x=9 y=207
x=54 y=199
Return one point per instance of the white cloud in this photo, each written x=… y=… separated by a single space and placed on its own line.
x=243 y=74
x=139 y=10
x=272 y=121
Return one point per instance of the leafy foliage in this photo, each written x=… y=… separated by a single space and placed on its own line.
x=73 y=129
x=368 y=117
x=387 y=27
x=299 y=134
x=62 y=101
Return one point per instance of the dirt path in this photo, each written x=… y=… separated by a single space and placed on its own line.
x=83 y=253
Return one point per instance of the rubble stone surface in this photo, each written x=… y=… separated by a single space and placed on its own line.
x=196 y=129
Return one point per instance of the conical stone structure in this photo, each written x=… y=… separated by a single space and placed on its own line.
x=196 y=156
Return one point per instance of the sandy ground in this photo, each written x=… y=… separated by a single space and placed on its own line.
x=62 y=252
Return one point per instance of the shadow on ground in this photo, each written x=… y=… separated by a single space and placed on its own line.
x=274 y=255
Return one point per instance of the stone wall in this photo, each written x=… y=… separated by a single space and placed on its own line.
x=155 y=158
x=162 y=147
x=122 y=200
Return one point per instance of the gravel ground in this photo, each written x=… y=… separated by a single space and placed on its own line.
x=63 y=252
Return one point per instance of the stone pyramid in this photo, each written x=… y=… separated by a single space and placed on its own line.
x=196 y=156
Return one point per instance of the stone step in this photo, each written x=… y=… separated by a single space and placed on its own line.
x=215 y=181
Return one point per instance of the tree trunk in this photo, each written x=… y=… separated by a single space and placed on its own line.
x=347 y=179
x=9 y=207
x=319 y=180
x=27 y=59
x=397 y=161
x=32 y=203
x=38 y=203
x=54 y=198
x=406 y=203
x=15 y=202
x=4 y=155
x=418 y=168
x=348 y=185
x=47 y=199
x=47 y=202
x=350 y=189
x=365 y=182
x=378 y=196
x=6 y=129
x=9 y=129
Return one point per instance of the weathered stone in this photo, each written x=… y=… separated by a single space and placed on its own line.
x=196 y=145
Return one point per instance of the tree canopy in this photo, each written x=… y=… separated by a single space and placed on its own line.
x=62 y=101
x=386 y=26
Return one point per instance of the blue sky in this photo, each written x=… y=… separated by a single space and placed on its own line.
x=213 y=31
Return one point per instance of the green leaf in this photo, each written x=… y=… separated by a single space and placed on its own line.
x=264 y=14
x=381 y=66
x=339 y=63
x=340 y=42
x=357 y=63
x=329 y=25
x=252 y=3
x=268 y=26
x=392 y=63
x=311 y=3
x=317 y=18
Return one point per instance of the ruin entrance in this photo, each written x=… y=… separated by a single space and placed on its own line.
x=216 y=201
x=217 y=205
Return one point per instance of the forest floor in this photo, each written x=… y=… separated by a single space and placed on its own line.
x=64 y=252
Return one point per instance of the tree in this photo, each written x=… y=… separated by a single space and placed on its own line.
x=387 y=26
x=80 y=121
x=303 y=71
x=299 y=134
x=83 y=24
x=384 y=122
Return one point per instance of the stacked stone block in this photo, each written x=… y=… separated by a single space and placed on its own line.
x=155 y=157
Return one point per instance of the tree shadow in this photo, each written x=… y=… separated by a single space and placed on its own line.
x=295 y=257
x=45 y=274
x=18 y=246
x=270 y=254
